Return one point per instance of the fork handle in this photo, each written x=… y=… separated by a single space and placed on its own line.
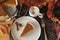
x=45 y=35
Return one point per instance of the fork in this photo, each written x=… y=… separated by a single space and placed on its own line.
x=43 y=26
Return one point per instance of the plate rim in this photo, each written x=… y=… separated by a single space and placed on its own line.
x=28 y=17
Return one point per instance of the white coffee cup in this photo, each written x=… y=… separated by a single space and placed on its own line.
x=34 y=11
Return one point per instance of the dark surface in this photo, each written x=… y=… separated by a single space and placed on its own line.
x=50 y=33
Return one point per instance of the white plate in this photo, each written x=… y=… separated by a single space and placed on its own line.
x=32 y=35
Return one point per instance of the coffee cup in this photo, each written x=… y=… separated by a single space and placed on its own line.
x=34 y=11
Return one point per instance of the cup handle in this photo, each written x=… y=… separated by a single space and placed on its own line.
x=40 y=15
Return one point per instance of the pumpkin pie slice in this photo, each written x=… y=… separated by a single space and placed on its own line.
x=2 y=11
x=27 y=28
x=10 y=3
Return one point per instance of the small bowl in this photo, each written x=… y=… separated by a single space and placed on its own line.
x=11 y=12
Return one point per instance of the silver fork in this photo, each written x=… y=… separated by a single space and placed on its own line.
x=43 y=26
